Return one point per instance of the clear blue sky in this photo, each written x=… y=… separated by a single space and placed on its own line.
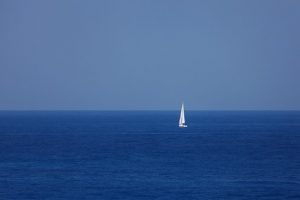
x=99 y=55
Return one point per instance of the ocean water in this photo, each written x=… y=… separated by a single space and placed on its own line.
x=144 y=155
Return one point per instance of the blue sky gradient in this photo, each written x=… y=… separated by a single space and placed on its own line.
x=111 y=55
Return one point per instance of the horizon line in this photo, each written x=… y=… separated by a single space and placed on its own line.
x=138 y=110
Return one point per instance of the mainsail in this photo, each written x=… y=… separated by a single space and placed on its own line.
x=182 y=118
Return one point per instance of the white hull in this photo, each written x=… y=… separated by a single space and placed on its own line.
x=182 y=126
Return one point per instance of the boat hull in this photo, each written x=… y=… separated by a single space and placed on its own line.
x=182 y=126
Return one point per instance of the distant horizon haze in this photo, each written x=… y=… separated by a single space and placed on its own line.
x=140 y=110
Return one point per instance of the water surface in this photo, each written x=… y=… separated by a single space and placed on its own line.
x=144 y=155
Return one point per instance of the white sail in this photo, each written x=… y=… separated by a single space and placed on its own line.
x=182 y=117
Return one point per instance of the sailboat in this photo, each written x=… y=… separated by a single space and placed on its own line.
x=182 y=118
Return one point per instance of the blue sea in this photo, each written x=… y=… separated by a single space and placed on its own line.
x=127 y=155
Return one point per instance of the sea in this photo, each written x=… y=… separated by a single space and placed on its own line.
x=128 y=155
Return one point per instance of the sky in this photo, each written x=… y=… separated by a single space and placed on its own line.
x=150 y=55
